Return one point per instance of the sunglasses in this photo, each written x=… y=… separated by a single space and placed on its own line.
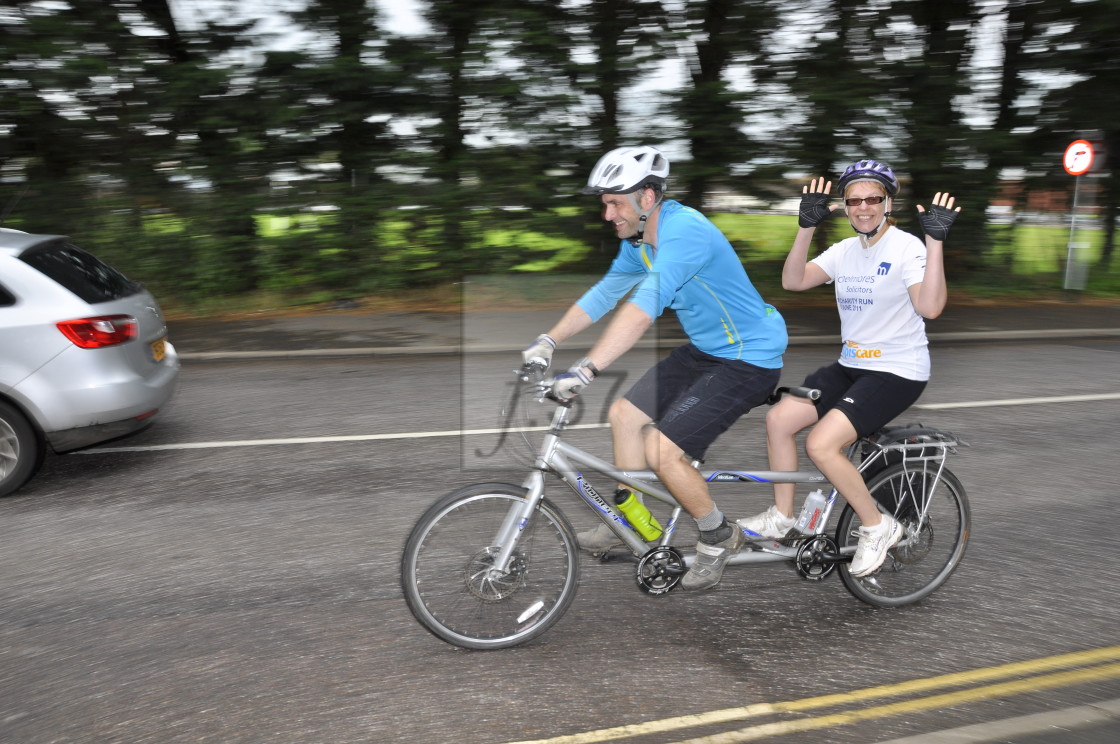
x=856 y=201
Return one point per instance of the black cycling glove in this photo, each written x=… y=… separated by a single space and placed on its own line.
x=814 y=209
x=937 y=221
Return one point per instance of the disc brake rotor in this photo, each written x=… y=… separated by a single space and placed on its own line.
x=914 y=546
x=486 y=582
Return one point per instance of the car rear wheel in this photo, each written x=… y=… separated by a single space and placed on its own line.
x=21 y=452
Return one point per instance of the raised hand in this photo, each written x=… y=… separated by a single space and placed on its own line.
x=814 y=203
x=940 y=217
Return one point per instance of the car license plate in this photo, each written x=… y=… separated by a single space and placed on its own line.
x=159 y=349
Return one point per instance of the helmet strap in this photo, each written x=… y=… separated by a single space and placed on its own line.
x=643 y=214
x=865 y=237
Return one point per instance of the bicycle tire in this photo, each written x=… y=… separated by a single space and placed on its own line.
x=447 y=587
x=928 y=553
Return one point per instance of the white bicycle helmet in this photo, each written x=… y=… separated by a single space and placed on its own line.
x=627 y=169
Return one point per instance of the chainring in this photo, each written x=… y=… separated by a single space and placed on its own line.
x=812 y=562
x=659 y=570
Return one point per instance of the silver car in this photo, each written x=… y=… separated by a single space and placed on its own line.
x=84 y=355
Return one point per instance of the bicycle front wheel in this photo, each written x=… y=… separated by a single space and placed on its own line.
x=937 y=520
x=450 y=582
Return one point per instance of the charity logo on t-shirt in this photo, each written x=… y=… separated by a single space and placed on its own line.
x=852 y=350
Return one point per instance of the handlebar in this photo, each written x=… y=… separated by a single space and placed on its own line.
x=534 y=374
x=531 y=372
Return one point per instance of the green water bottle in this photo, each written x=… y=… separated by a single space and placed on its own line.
x=637 y=514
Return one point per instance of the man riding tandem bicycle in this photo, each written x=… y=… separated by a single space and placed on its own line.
x=672 y=257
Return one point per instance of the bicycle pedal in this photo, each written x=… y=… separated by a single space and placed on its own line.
x=610 y=556
x=762 y=543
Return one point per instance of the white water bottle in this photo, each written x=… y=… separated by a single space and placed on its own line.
x=808 y=522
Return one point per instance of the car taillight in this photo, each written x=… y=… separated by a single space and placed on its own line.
x=94 y=333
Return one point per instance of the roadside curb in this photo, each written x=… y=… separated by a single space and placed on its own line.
x=1052 y=723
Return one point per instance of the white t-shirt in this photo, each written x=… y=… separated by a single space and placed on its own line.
x=878 y=323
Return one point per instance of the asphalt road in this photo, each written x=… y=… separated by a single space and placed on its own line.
x=231 y=575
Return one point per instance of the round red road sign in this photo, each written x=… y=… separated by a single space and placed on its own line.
x=1078 y=158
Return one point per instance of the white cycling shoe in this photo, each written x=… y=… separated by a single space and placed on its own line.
x=874 y=542
x=770 y=524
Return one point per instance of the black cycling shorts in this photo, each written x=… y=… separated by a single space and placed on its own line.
x=869 y=398
x=693 y=397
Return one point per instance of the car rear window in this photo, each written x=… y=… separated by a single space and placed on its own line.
x=6 y=297
x=82 y=273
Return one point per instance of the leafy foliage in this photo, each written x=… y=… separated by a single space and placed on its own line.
x=210 y=159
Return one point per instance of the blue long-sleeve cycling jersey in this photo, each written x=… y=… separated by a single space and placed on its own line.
x=695 y=272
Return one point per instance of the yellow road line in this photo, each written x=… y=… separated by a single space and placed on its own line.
x=1003 y=689
x=957 y=679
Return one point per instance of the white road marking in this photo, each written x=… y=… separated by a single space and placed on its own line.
x=1019 y=401
x=327 y=440
x=473 y=432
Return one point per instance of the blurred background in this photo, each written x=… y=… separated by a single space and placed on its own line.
x=294 y=152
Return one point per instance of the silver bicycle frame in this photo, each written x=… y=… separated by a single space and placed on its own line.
x=562 y=459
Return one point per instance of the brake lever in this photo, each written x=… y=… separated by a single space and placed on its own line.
x=534 y=374
x=531 y=372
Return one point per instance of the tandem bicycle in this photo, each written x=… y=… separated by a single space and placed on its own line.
x=495 y=565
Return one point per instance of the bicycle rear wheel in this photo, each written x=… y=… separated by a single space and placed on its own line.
x=932 y=545
x=449 y=581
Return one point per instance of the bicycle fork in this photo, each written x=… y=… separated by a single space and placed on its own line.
x=513 y=526
x=520 y=513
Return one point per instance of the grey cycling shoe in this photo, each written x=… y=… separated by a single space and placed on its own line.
x=707 y=569
x=598 y=540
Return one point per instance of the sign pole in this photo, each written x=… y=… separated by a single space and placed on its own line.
x=1078 y=159
x=1074 y=279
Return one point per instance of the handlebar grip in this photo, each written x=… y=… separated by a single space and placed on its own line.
x=557 y=401
x=805 y=392
x=800 y=391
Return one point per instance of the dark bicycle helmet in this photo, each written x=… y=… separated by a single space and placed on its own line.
x=627 y=169
x=868 y=170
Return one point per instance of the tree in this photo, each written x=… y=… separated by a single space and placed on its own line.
x=925 y=52
x=55 y=73
x=104 y=124
x=834 y=82
x=623 y=44
x=723 y=39
x=1003 y=147
x=211 y=122
x=161 y=144
x=346 y=100
x=1077 y=45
